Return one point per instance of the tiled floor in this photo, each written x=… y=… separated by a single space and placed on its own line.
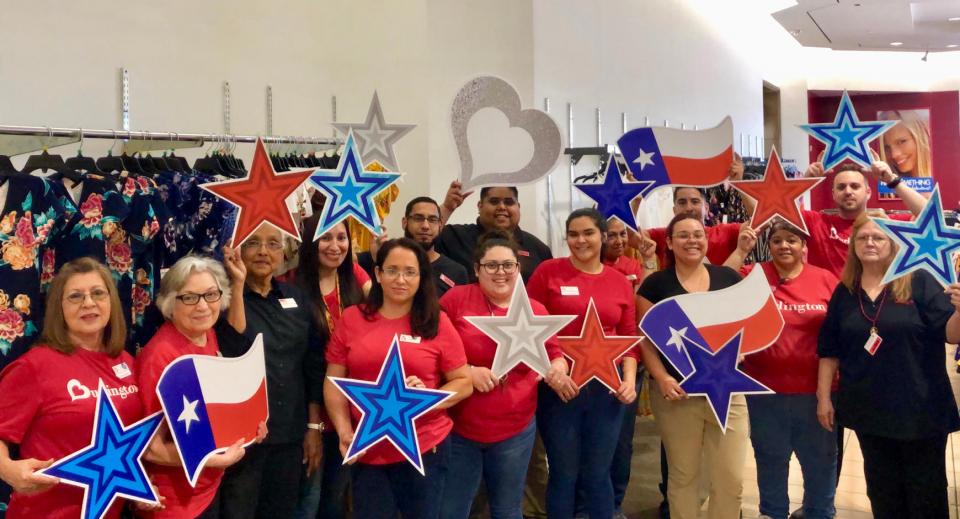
x=643 y=496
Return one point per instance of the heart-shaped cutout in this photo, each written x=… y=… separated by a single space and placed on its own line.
x=493 y=92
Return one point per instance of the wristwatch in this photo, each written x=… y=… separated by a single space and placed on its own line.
x=650 y=264
x=894 y=183
x=315 y=426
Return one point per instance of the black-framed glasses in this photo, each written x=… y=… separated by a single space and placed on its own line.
x=420 y=218
x=492 y=267
x=97 y=295
x=272 y=245
x=191 y=299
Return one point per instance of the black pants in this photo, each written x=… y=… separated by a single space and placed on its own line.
x=906 y=479
x=384 y=491
x=265 y=483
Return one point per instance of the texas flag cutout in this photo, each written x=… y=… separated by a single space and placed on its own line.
x=211 y=402
x=713 y=318
x=668 y=156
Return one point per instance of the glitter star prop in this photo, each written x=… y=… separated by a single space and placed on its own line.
x=388 y=409
x=520 y=335
x=375 y=137
x=261 y=196
x=776 y=195
x=350 y=190
x=110 y=467
x=717 y=377
x=594 y=354
x=847 y=137
x=613 y=196
x=926 y=243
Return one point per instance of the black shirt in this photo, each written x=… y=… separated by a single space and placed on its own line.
x=664 y=284
x=442 y=267
x=902 y=391
x=458 y=241
x=294 y=355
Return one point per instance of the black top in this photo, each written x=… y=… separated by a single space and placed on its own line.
x=664 y=284
x=294 y=355
x=902 y=391
x=458 y=241
x=365 y=260
x=447 y=274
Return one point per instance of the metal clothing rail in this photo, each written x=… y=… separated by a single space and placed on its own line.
x=85 y=133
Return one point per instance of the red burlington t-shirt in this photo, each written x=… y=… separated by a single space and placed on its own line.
x=830 y=239
x=361 y=346
x=629 y=267
x=564 y=290
x=790 y=365
x=506 y=410
x=49 y=399
x=181 y=500
x=721 y=242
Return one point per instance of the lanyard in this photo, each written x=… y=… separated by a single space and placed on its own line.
x=876 y=316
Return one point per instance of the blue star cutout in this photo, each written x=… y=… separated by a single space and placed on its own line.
x=388 y=409
x=847 y=137
x=350 y=191
x=110 y=466
x=924 y=244
x=717 y=377
x=613 y=196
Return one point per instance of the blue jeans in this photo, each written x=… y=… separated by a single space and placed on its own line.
x=779 y=426
x=503 y=467
x=323 y=495
x=383 y=491
x=580 y=438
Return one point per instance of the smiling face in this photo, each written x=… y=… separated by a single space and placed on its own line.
x=86 y=305
x=498 y=285
x=850 y=193
x=332 y=246
x=262 y=253
x=399 y=276
x=688 y=201
x=422 y=225
x=584 y=239
x=195 y=320
x=688 y=242
x=616 y=239
x=499 y=209
x=871 y=245
x=900 y=149
x=786 y=248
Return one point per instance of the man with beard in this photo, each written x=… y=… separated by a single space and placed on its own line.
x=421 y=223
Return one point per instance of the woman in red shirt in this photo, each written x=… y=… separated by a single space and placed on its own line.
x=580 y=436
x=50 y=392
x=494 y=429
x=191 y=296
x=403 y=303
x=786 y=423
x=333 y=281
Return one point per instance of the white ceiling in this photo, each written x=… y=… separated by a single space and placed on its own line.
x=921 y=25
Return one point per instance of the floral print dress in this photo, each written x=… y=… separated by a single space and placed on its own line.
x=30 y=216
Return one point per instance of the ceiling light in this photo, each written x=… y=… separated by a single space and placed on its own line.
x=896 y=43
x=954 y=19
x=952 y=46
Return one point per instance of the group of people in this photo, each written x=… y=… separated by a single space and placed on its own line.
x=484 y=448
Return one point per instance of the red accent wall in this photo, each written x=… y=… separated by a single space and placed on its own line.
x=944 y=136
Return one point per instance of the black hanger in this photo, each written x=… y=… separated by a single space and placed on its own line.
x=111 y=165
x=7 y=169
x=45 y=162
x=208 y=165
x=131 y=164
x=81 y=163
x=146 y=164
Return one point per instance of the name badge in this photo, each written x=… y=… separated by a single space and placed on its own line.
x=569 y=291
x=121 y=370
x=632 y=277
x=409 y=338
x=448 y=281
x=873 y=342
x=287 y=303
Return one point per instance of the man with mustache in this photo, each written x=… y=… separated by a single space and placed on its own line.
x=421 y=223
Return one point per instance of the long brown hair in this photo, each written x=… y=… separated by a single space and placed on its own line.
x=55 y=333
x=901 y=287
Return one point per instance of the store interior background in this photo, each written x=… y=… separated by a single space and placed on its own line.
x=688 y=62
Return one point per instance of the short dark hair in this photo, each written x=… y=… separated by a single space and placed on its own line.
x=491 y=239
x=668 y=254
x=425 y=312
x=590 y=213
x=848 y=166
x=782 y=225
x=420 y=200
x=677 y=190
x=484 y=191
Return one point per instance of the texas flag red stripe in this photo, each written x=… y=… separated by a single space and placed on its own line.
x=231 y=422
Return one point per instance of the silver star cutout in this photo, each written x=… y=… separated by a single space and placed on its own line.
x=375 y=137
x=644 y=159
x=520 y=335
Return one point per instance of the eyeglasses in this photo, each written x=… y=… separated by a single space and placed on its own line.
x=687 y=236
x=394 y=273
x=492 y=267
x=97 y=295
x=864 y=238
x=419 y=218
x=191 y=299
x=273 y=245
x=508 y=202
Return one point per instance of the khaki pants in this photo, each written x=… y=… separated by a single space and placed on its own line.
x=688 y=429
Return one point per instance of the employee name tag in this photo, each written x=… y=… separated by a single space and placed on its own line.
x=569 y=291
x=632 y=277
x=287 y=302
x=873 y=342
x=410 y=338
x=121 y=370
x=448 y=281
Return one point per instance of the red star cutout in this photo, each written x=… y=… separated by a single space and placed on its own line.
x=261 y=196
x=776 y=195
x=594 y=355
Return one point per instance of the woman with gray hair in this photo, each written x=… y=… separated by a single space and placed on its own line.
x=192 y=294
